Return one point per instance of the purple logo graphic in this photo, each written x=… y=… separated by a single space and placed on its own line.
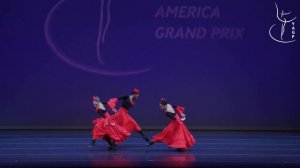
x=283 y=19
x=100 y=41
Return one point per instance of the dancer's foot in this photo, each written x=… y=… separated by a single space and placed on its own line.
x=150 y=143
x=111 y=148
x=93 y=144
x=180 y=150
x=114 y=145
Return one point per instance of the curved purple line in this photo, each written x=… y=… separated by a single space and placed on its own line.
x=65 y=59
x=99 y=34
x=108 y=20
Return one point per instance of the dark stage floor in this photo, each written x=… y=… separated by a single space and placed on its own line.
x=213 y=149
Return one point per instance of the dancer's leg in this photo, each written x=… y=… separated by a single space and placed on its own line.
x=143 y=135
x=110 y=143
x=93 y=143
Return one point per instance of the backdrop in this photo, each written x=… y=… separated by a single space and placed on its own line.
x=231 y=64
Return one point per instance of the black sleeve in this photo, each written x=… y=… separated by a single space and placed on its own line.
x=171 y=115
x=101 y=113
x=123 y=97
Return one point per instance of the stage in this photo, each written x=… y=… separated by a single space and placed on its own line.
x=69 y=148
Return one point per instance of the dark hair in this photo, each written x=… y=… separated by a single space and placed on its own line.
x=163 y=101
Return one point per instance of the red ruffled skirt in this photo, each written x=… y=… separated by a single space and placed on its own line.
x=103 y=127
x=123 y=119
x=176 y=135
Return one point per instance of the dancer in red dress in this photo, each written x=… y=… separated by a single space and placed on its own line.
x=106 y=128
x=123 y=118
x=176 y=134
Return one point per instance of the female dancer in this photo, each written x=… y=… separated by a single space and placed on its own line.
x=105 y=128
x=123 y=118
x=176 y=134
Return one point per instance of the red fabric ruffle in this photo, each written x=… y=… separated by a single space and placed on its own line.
x=123 y=119
x=176 y=135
